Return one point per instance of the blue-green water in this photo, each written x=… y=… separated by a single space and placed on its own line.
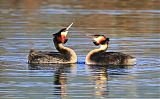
x=133 y=27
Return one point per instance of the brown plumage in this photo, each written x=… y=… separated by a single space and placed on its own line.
x=65 y=54
x=101 y=57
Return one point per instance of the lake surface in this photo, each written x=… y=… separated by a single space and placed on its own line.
x=133 y=27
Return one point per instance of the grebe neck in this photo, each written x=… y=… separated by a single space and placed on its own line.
x=103 y=47
x=90 y=55
x=68 y=52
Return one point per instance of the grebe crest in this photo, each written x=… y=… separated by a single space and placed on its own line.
x=65 y=54
x=100 y=57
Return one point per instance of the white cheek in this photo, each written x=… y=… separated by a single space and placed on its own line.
x=64 y=33
x=96 y=39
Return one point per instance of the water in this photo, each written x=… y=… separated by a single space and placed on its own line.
x=133 y=27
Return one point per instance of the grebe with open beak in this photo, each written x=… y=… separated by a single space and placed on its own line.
x=65 y=54
x=101 y=57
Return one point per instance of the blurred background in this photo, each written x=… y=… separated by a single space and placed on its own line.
x=132 y=25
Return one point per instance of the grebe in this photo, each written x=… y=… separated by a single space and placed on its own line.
x=65 y=54
x=101 y=57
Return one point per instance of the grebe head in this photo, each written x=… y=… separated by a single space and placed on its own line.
x=100 y=40
x=61 y=36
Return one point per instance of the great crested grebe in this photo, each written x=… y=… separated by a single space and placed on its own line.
x=65 y=54
x=101 y=57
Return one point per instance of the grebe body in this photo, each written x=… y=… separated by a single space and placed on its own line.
x=64 y=56
x=101 y=57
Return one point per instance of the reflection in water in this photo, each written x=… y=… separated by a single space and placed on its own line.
x=100 y=77
x=60 y=79
x=60 y=82
x=133 y=26
x=60 y=75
